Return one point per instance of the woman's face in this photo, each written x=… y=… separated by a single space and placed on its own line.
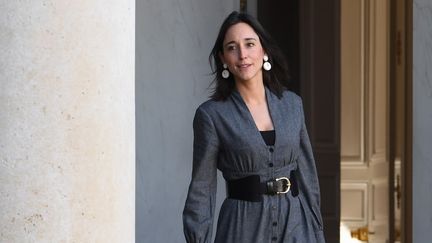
x=243 y=53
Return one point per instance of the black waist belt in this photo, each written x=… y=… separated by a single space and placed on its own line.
x=251 y=188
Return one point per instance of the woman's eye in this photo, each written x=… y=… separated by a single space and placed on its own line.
x=250 y=44
x=231 y=48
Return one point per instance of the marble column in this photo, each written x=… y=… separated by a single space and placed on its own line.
x=67 y=123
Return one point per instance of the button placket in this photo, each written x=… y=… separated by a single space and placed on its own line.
x=273 y=200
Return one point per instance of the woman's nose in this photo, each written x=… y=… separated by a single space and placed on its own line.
x=242 y=53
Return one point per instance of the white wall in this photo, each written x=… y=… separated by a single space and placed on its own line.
x=422 y=121
x=173 y=41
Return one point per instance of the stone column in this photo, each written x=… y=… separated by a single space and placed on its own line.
x=67 y=125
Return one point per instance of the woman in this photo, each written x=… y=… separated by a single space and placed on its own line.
x=253 y=130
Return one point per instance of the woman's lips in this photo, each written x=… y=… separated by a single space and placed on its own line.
x=244 y=65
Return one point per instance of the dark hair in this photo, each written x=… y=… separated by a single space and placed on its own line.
x=276 y=79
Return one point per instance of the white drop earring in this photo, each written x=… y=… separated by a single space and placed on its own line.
x=266 y=65
x=225 y=72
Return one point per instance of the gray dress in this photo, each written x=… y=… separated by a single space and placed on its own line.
x=226 y=138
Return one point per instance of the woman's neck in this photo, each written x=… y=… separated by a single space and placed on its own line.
x=253 y=93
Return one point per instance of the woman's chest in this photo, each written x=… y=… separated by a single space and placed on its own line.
x=242 y=147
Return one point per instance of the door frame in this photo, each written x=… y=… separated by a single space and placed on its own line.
x=407 y=165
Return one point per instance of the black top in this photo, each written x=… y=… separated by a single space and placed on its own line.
x=269 y=137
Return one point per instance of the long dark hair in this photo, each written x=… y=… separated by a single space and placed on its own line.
x=276 y=79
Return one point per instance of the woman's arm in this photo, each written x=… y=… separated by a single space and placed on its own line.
x=307 y=174
x=200 y=203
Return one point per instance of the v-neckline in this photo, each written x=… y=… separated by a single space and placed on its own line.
x=252 y=121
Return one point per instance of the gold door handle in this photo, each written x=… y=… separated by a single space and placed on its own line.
x=361 y=233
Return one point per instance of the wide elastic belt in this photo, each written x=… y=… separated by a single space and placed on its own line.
x=250 y=188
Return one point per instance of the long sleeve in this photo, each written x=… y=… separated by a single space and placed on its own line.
x=199 y=208
x=307 y=173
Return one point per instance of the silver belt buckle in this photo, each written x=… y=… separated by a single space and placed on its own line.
x=287 y=184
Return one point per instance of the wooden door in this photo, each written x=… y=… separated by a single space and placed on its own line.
x=320 y=89
x=365 y=167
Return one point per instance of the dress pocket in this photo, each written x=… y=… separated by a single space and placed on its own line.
x=317 y=216
x=312 y=213
x=295 y=215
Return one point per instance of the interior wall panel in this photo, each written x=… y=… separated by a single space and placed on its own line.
x=352 y=82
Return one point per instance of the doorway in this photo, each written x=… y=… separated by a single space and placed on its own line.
x=365 y=119
x=347 y=61
x=374 y=131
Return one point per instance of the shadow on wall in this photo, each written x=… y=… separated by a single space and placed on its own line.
x=173 y=41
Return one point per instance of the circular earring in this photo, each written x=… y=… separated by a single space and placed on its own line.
x=266 y=65
x=225 y=72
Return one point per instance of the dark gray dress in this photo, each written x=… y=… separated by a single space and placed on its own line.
x=226 y=138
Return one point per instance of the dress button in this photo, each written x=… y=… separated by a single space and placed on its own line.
x=273 y=207
x=270 y=164
x=271 y=150
x=274 y=223
x=274 y=238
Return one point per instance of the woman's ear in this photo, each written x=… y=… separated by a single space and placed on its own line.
x=264 y=52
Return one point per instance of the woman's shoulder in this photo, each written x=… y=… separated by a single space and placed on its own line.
x=210 y=111
x=212 y=105
x=291 y=97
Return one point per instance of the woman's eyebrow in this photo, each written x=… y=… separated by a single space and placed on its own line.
x=246 y=39
x=229 y=43
x=251 y=38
